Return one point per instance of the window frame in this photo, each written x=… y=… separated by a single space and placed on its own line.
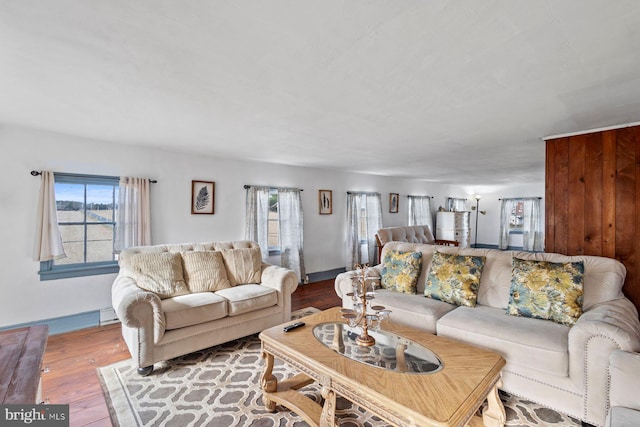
x=48 y=269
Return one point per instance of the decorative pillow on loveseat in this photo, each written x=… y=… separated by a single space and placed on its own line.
x=546 y=290
x=454 y=278
x=243 y=265
x=204 y=271
x=159 y=272
x=400 y=271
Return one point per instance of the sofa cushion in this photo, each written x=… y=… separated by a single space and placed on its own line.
x=412 y=310
x=454 y=278
x=400 y=271
x=193 y=309
x=159 y=272
x=245 y=298
x=541 y=344
x=204 y=271
x=546 y=290
x=243 y=265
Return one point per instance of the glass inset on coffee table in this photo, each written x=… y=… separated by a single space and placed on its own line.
x=390 y=352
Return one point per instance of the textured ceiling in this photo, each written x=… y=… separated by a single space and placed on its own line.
x=448 y=91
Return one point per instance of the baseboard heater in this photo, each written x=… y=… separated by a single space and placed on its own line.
x=108 y=316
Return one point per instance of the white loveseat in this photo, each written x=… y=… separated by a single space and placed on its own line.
x=562 y=367
x=247 y=297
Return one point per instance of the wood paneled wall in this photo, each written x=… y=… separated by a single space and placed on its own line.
x=593 y=198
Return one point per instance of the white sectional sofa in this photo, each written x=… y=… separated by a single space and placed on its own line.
x=176 y=299
x=562 y=367
x=624 y=399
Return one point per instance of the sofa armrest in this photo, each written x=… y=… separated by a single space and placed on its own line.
x=603 y=328
x=137 y=308
x=624 y=370
x=343 y=284
x=279 y=278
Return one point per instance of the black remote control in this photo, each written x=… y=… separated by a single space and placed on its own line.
x=293 y=326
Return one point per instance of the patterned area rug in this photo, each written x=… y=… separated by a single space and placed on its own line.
x=219 y=386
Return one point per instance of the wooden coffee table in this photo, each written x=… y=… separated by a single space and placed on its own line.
x=448 y=397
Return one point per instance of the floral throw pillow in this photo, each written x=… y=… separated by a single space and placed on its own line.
x=400 y=271
x=546 y=290
x=454 y=278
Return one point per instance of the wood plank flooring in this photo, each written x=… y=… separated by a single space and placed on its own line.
x=71 y=360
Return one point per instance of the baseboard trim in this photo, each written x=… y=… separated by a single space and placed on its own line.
x=325 y=275
x=485 y=246
x=59 y=325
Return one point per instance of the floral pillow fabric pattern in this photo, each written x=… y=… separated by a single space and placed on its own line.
x=454 y=278
x=546 y=290
x=400 y=271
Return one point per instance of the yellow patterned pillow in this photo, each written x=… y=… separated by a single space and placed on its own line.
x=454 y=278
x=546 y=290
x=400 y=271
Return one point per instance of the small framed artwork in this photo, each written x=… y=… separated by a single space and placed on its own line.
x=202 y=197
x=393 y=202
x=325 y=202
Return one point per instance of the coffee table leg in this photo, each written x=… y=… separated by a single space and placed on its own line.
x=328 y=416
x=268 y=382
x=494 y=415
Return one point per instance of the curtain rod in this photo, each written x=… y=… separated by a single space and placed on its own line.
x=368 y=193
x=522 y=198
x=36 y=173
x=425 y=197
x=246 y=187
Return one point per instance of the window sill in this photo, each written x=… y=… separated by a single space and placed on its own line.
x=65 y=273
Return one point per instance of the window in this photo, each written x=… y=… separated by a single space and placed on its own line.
x=516 y=217
x=364 y=219
x=456 y=205
x=86 y=209
x=273 y=224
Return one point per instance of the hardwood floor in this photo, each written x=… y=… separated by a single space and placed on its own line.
x=71 y=359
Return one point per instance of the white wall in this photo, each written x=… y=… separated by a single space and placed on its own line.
x=24 y=298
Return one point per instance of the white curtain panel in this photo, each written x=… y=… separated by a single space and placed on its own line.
x=506 y=206
x=364 y=215
x=133 y=216
x=48 y=241
x=532 y=233
x=420 y=211
x=291 y=231
x=456 y=205
x=257 y=217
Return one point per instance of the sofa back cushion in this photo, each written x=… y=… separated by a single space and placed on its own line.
x=603 y=277
x=204 y=271
x=243 y=265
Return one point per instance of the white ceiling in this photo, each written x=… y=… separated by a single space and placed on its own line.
x=448 y=91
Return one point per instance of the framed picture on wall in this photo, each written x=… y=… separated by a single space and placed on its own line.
x=202 y=197
x=325 y=202
x=393 y=202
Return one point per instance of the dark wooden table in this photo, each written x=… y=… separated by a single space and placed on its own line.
x=21 y=352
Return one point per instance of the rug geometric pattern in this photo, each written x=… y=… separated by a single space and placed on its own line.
x=220 y=387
